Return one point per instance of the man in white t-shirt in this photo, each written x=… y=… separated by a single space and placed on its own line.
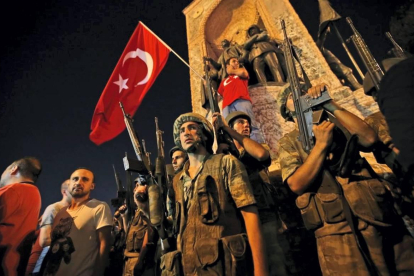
x=81 y=233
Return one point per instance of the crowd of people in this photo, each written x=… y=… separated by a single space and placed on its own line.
x=329 y=213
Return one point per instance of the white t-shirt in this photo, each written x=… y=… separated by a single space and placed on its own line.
x=75 y=246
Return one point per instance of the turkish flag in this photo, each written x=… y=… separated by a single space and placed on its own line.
x=142 y=60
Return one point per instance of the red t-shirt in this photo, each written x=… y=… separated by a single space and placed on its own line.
x=233 y=88
x=19 y=212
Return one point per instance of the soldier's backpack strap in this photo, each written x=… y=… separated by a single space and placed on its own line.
x=353 y=224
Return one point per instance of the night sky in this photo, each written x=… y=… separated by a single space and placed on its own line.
x=57 y=56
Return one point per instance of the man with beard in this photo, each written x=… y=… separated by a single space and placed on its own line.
x=256 y=158
x=178 y=158
x=19 y=211
x=81 y=232
x=142 y=237
x=212 y=193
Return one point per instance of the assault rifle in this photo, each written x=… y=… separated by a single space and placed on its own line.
x=121 y=193
x=142 y=165
x=372 y=66
x=222 y=136
x=305 y=104
x=396 y=50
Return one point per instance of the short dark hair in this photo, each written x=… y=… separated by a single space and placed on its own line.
x=29 y=167
x=85 y=168
x=228 y=60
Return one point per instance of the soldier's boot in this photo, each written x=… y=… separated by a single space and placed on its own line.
x=352 y=82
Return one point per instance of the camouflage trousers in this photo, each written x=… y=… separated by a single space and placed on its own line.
x=391 y=250
x=129 y=268
x=275 y=255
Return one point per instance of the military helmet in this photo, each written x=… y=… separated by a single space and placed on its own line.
x=208 y=129
x=238 y=114
x=174 y=149
x=141 y=178
x=282 y=99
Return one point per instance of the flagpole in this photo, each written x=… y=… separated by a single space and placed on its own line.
x=166 y=45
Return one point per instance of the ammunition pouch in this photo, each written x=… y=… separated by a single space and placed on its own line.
x=319 y=208
x=309 y=210
x=225 y=256
x=134 y=242
x=171 y=264
x=209 y=213
x=207 y=253
x=235 y=248
x=370 y=201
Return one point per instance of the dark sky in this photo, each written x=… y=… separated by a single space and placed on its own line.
x=56 y=57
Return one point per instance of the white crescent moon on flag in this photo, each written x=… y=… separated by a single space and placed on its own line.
x=145 y=57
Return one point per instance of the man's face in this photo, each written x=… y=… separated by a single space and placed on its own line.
x=81 y=183
x=234 y=63
x=242 y=126
x=140 y=192
x=178 y=158
x=191 y=136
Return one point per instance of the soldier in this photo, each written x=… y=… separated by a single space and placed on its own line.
x=256 y=158
x=357 y=230
x=141 y=237
x=262 y=52
x=210 y=192
x=178 y=158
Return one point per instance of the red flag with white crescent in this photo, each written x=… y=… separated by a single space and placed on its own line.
x=142 y=60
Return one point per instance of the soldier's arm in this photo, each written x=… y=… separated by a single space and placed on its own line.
x=252 y=147
x=304 y=176
x=366 y=135
x=256 y=240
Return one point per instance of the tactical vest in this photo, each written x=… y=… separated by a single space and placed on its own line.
x=322 y=208
x=210 y=218
x=135 y=236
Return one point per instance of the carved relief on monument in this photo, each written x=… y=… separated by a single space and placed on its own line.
x=210 y=22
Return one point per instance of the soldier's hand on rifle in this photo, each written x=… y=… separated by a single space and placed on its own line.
x=316 y=91
x=323 y=134
x=123 y=210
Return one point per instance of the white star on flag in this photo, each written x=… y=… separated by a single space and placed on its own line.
x=121 y=83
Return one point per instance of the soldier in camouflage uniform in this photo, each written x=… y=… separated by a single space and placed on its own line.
x=211 y=193
x=142 y=237
x=324 y=198
x=256 y=158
